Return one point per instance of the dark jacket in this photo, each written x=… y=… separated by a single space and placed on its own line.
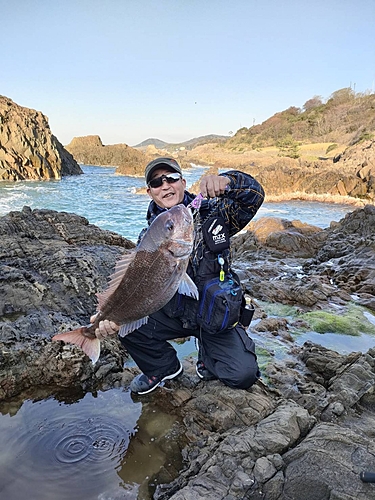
x=237 y=207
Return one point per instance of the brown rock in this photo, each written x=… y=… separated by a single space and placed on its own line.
x=28 y=150
x=91 y=151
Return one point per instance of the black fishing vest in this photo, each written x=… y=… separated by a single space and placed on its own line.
x=220 y=293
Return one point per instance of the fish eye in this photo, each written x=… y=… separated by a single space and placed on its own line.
x=169 y=225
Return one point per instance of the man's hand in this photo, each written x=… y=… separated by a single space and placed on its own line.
x=214 y=185
x=105 y=329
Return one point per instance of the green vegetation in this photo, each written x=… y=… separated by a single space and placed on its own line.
x=276 y=309
x=264 y=357
x=288 y=147
x=331 y=147
x=352 y=322
x=346 y=118
x=363 y=136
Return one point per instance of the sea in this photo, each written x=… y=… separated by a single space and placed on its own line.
x=113 y=202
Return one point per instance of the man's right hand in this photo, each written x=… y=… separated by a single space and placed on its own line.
x=106 y=328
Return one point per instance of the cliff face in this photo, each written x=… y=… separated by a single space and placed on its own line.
x=91 y=151
x=28 y=150
x=350 y=174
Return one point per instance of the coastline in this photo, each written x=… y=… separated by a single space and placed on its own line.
x=322 y=198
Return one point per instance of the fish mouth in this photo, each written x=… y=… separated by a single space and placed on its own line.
x=182 y=249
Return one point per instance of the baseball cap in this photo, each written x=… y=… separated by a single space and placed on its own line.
x=170 y=163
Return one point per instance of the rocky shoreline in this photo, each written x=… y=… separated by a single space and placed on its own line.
x=304 y=431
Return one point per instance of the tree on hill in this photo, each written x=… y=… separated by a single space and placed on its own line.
x=288 y=147
x=314 y=102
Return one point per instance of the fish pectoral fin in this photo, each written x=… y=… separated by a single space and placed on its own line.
x=90 y=346
x=130 y=327
x=188 y=287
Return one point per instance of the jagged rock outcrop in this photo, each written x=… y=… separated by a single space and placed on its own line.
x=28 y=150
x=314 y=265
x=351 y=174
x=91 y=151
x=52 y=264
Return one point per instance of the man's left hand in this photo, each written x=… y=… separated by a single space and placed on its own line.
x=214 y=185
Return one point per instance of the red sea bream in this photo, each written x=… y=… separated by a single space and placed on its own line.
x=144 y=280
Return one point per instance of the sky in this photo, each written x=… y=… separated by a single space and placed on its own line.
x=129 y=70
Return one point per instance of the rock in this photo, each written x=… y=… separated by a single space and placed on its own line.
x=91 y=151
x=28 y=150
x=281 y=237
x=52 y=264
x=347 y=256
x=349 y=175
x=244 y=460
x=314 y=468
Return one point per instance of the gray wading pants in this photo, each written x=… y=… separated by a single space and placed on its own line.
x=229 y=355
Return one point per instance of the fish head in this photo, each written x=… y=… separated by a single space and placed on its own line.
x=172 y=231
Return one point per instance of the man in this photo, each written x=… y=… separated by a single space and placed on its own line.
x=225 y=351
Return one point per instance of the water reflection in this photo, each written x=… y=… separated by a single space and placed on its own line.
x=98 y=446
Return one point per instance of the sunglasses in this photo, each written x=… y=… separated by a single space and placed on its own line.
x=169 y=178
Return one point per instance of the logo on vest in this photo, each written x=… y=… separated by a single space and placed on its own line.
x=219 y=238
x=216 y=234
x=217 y=229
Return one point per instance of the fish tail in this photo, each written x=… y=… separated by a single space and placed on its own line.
x=90 y=346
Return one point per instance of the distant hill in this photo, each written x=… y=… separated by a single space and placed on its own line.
x=346 y=118
x=192 y=143
x=152 y=142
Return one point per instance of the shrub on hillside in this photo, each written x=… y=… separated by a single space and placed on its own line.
x=331 y=147
x=288 y=147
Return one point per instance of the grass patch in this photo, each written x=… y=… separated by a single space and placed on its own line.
x=264 y=357
x=275 y=309
x=352 y=322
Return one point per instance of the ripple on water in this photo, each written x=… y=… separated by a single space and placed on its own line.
x=86 y=450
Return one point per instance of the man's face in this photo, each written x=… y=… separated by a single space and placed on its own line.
x=167 y=195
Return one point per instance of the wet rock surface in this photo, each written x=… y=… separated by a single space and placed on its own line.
x=304 y=431
x=52 y=264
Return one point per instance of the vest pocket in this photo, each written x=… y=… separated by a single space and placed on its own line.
x=220 y=305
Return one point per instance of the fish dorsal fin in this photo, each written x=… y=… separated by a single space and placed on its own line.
x=115 y=279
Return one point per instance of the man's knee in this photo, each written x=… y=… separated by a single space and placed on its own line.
x=243 y=377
